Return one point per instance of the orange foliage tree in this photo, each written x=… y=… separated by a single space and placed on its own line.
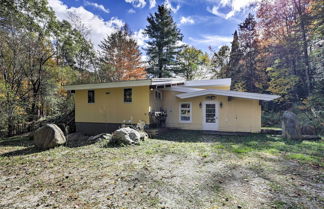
x=120 y=58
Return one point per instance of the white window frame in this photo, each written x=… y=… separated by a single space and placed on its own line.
x=185 y=121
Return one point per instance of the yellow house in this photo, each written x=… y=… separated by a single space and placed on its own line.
x=193 y=105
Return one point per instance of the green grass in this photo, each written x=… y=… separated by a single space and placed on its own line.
x=303 y=151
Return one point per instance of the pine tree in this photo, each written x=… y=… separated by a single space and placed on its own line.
x=233 y=69
x=121 y=57
x=162 y=46
x=252 y=76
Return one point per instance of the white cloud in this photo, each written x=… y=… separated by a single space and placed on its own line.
x=187 y=20
x=98 y=27
x=98 y=6
x=168 y=5
x=152 y=3
x=137 y=3
x=235 y=5
x=140 y=38
x=131 y=11
x=212 y=40
x=215 y=11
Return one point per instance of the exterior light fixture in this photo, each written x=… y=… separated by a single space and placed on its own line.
x=221 y=104
x=200 y=105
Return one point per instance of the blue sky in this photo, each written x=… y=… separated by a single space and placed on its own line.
x=203 y=23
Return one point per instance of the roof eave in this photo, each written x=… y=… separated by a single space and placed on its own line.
x=120 y=84
x=263 y=97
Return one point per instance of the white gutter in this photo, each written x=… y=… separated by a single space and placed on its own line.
x=246 y=95
x=182 y=89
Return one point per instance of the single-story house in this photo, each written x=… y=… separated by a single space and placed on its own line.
x=193 y=105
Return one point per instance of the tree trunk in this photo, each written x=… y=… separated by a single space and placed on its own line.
x=305 y=44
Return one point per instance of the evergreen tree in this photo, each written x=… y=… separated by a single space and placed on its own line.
x=233 y=70
x=163 y=44
x=252 y=76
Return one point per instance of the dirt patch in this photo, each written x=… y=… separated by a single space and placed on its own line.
x=159 y=174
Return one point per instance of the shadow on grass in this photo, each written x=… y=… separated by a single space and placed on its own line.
x=21 y=152
x=78 y=143
x=22 y=141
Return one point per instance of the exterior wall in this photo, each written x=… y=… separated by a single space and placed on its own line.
x=240 y=115
x=171 y=103
x=237 y=115
x=109 y=110
x=109 y=106
x=96 y=128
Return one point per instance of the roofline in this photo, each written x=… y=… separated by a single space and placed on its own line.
x=245 y=95
x=185 y=89
x=212 y=82
x=128 y=83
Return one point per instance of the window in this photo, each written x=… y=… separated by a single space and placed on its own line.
x=91 y=96
x=158 y=94
x=185 y=112
x=127 y=95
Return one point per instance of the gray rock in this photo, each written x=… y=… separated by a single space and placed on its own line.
x=100 y=137
x=290 y=126
x=125 y=136
x=143 y=135
x=49 y=136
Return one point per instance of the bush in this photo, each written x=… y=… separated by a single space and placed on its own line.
x=271 y=119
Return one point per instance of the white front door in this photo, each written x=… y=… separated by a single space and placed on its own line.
x=210 y=115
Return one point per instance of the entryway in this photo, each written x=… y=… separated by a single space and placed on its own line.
x=210 y=115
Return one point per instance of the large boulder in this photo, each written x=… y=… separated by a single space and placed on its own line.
x=290 y=126
x=125 y=136
x=49 y=136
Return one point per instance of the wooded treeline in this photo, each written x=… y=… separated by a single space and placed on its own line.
x=277 y=50
x=280 y=51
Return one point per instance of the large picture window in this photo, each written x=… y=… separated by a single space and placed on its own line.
x=127 y=95
x=91 y=96
x=185 y=115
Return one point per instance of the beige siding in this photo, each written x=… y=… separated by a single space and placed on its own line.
x=109 y=106
x=237 y=115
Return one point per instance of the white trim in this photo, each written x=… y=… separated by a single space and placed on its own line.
x=204 y=124
x=182 y=89
x=167 y=81
x=213 y=82
x=125 y=84
x=186 y=121
x=116 y=84
x=246 y=95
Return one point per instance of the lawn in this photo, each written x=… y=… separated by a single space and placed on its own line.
x=179 y=169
